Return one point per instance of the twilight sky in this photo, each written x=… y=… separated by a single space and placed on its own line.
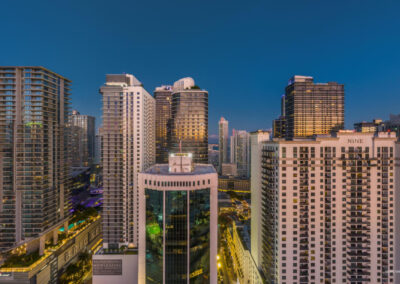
x=242 y=52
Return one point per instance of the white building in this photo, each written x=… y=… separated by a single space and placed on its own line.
x=245 y=267
x=128 y=147
x=257 y=138
x=328 y=209
x=121 y=268
x=240 y=151
x=179 y=216
x=223 y=136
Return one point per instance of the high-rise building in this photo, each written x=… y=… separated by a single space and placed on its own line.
x=257 y=139
x=189 y=123
x=240 y=152
x=128 y=147
x=364 y=126
x=313 y=108
x=392 y=125
x=223 y=142
x=34 y=157
x=97 y=149
x=213 y=155
x=179 y=211
x=163 y=97
x=279 y=125
x=82 y=129
x=328 y=211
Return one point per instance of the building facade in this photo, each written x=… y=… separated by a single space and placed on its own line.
x=34 y=157
x=223 y=142
x=97 y=149
x=229 y=169
x=189 y=123
x=237 y=238
x=58 y=255
x=230 y=183
x=329 y=209
x=313 y=108
x=213 y=155
x=179 y=211
x=163 y=97
x=128 y=147
x=257 y=140
x=392 y=125
x=279 y=127
x=240 y=152
x=364 y=126
x=82 y=129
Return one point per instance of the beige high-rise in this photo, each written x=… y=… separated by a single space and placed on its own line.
x=329 y=209
x=128 y=147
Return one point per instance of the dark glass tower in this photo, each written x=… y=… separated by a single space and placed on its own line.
x=313 y=108
x=189 y=124
x=163 y=97
x=82 y=128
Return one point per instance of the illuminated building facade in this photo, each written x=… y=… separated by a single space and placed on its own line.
x=163 y=97
x=313 y=108
x=34 y=159
x=329 y=209
x=128 y=147
x=179 y=215
x=82 y=129
x=223 y=126
x=279 y=127
x=189 y=124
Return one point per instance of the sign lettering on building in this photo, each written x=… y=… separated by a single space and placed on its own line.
x=354 y=140
x=107 y=266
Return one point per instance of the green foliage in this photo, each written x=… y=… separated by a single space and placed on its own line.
x=195 y=87
x=75 y=272
x=22 y=260
x=84 y=214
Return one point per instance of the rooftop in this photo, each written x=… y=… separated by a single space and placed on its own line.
x=163 y=169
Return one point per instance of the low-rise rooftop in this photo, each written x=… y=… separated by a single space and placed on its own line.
x=163 y=169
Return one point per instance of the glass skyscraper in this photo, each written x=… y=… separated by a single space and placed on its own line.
x=178 y=214
x=82 y=128
x=189 y=120
x=310 y=108
x=34 y=160
x=163 y=97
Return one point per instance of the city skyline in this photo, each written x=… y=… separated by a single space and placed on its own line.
x=201 y=142
x=356 y=46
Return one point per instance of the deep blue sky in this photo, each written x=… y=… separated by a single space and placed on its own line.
x=242 y=52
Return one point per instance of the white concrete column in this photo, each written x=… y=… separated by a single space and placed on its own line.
x=42 y=243
x=66 y=226
x=55 y=236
